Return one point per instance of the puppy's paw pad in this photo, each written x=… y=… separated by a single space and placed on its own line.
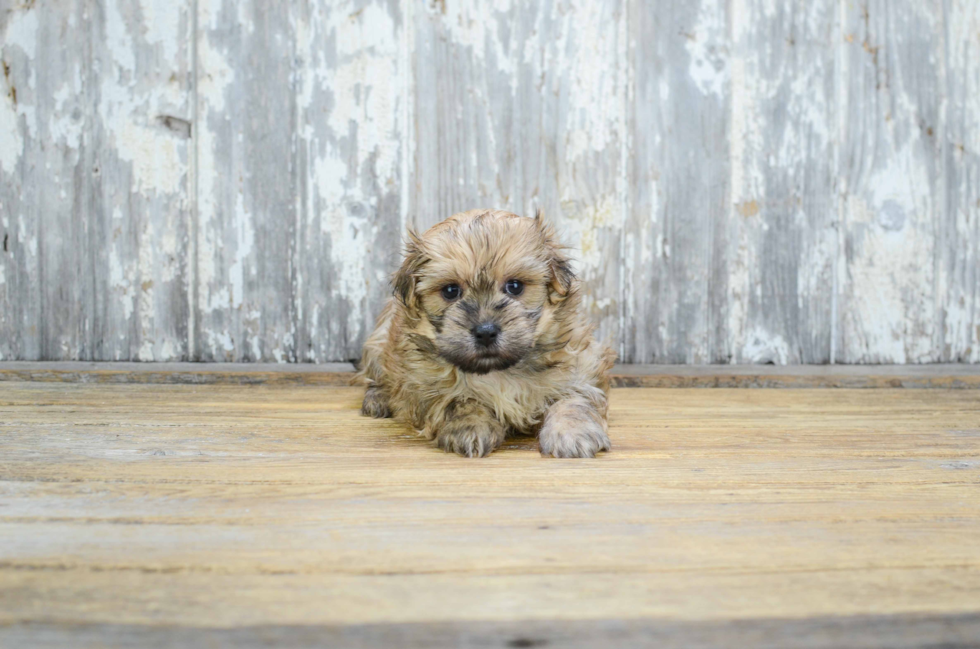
x=470 y=440
x=375 y=404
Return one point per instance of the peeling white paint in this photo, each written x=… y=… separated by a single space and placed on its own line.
x=128 y=110
x=887 y=282
x=585 y=51
x=215 y=77
x=157 y=164
x=745 y=176
x=66 y=125
x=245 y=238
x=11 y=142
x=119 y=40
x=564 y=82
x=22 y=226
x=120 y=277
x=145 y=352
x=470 y=24
x=366 y=87
x=161 y=26
x=763 y=347
x=707 y=45
x=21 y=32
x=220 y=340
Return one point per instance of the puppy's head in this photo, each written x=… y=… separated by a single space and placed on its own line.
x=479 y=284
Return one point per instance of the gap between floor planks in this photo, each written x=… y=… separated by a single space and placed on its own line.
x=954 y=376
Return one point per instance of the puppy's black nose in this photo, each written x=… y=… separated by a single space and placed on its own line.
x=486 y=334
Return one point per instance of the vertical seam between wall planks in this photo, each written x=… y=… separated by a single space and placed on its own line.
x=295 y=267
x=194 y=217
x=941 y=315
x=971 y=354
x=839 y=181
x=408 y=98
x=624 y=176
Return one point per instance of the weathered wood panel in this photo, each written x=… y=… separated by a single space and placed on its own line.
x=247 y=181
x=892 y=175
x=743 y=181
x=522 y=107
x=94 y=179
x=680 y=188
x=914 y=631
x=959 y=246
x=353 y=131
x=779 y=230
x=243 y=506
x=300 y=163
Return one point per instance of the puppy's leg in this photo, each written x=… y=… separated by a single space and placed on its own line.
x=470 y=429
x=574 y=427
x=370 y=372
x=375 y=403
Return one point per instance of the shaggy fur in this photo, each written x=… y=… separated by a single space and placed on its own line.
x=543 y=374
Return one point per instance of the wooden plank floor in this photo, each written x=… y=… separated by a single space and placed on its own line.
x=169 y=515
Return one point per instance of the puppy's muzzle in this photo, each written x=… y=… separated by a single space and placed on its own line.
x=485 y=335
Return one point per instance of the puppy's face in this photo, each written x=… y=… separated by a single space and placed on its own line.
x=479 y=284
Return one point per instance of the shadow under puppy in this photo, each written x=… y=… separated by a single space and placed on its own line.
x=485 y=337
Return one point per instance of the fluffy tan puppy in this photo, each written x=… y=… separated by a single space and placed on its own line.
x=485 y=337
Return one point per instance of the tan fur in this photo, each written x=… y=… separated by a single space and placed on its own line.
x=548 y=374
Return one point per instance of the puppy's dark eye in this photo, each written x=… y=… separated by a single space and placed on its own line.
x=514 y=287
x=451 y=291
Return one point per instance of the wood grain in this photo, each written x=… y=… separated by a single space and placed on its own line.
x=958 y=249
x=676 y=278
x=866 y=632
x=223 y=506
x=353 y=88
x=94 y=179
x=521 y=107
x=894 y=205
x=246 y=234
x=779 y=232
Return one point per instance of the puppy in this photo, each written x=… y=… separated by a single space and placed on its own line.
x=485 y=337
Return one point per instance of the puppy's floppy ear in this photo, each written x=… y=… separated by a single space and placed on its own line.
x=405 y=277
x=562 y=276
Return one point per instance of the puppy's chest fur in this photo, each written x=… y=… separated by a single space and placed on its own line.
x=517 y=397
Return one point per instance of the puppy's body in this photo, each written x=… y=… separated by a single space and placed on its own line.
x=485 y=338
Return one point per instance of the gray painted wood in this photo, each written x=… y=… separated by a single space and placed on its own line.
x=354 y=71
x=677 y=276
x=247 y=181
x=522 y=107
x=780 y=235
x=300 y=162
x=744 y=181
x=94 y=180
x=892 y=175
x=958 y=262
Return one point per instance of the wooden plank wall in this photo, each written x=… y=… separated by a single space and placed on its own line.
x=745 y=181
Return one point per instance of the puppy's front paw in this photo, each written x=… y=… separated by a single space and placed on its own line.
x=573 y=428
x=471 y=436
x=375 y=404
